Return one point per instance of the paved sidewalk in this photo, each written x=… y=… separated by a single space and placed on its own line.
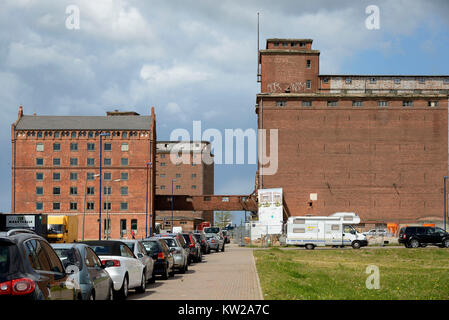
x=225 y=275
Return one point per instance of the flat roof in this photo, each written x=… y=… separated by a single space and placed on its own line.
x=289 y=39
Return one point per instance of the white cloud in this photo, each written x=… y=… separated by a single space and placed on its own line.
x=173 y=76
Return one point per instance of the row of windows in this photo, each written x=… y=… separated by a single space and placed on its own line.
x=90 y=162
x=356 y=103
x=75 y=134
x=178 y=175
x=74 y=176
x=288 y=44
x=178 y=187
x=164 y=164
x=74 y=147
x=89 y=206
x=373 y=80
x=89 y=191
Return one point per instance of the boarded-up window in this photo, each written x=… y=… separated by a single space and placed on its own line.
x=335 y=227
x=299 y=230
x=299 y=221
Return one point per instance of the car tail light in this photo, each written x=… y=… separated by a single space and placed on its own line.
x=115 y=263
x=404 y=236
x=161 y=255
x=22 y=286
x=213 y=241
x=202 y=241
x=191 y=245
x=5 y=287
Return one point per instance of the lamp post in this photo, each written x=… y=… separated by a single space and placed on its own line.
x=172 y=200
x=108 y=223
x=85 y=194
x=104 y=134
x=445 y=201
x=148 y=164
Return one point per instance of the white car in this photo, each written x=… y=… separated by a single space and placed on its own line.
x=124 y=268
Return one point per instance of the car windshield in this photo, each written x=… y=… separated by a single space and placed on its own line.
x=437 y=229
x=151 y=246
x=55 y=228
x=212 y=230
x=4 y=259
x=171 y=243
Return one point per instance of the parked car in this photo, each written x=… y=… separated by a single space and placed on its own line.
x=216 y=242
x=195 y=248
x=139 y=251
x=376 y=232
x=414 y=237
x=85 y=267
x=126 y=271
x=179 y=254
x=201 y=238
x=163 y=258
x=30 y=268
x=181 y=241
x=215 y=230
x=227 y=238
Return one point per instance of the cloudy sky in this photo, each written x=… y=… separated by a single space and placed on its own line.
x=192 y=60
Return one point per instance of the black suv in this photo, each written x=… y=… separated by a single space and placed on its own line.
x=31 y=269
x=164 y=263
x=195 y=254
x=201 y=238
x=414 y=237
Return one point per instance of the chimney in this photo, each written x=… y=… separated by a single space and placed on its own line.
x=20 y=114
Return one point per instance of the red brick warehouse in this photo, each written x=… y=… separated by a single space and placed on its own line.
x=373 y=144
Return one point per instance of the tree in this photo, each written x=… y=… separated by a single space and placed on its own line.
x=223 y=218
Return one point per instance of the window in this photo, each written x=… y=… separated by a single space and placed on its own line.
x=407 y=103
x=56 y=162
x=124 y=161
x=56 y=147
x=73 y=206
x=107 y=190
x=162 y=175
x=39 y=147
x=125 y=135
x=382 y=103
x=178 y=175
x=276 y=44
x=107 y=176
x=90 y=134
x=372 y=80
x=73 y=190
x=107 y=206
x=162 y=156
x=194 y=187
x=90 y=191
x=397 y=81
x=308 y=64
x=56 y=176
x=309 y=84
x=107 y=161
x=39 y=206
x=178 y=187
x=74 y=147
x=91 y=147
x=73 y=162
x=39 y=191
x=285 y=44
x=39 y=176
x=56 y=206
x=335 y=227
x=125 y=147
x=325 y=80
x=432 y=103
x=90 y=176
x=123 y=205
x=421 y=80
x=302 y=44
x=107 y=226
x=446 y=81
x=134 y=224
x=299 y=230
x=348 y=80
x=107 y=147
x=39 y=161
x=124 y=191
x=90 y=206
x=357 y=103
x=73 y=135
x=56 y=190
x=163 y=164
x=90 y=162
x=306 y=103
x=162 y=187
x=281 y=103
x=193 y=175
x=124 y=176
x=73 y=176
x=332 y=103
x=299 y=221
x=57 y=134
x=39 y=134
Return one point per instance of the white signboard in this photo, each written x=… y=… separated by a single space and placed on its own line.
x=20 y=221
x=270 y=210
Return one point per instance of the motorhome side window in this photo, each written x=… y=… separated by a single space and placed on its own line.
x=299 y=230
x=347 y=218
x=299 y=221
x=335 y=227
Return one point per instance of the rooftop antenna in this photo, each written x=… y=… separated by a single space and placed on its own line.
x=258 y=51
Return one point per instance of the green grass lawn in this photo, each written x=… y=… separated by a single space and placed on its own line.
x=297 y=274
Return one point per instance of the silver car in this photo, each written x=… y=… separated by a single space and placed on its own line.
x=216 y=242
x=179 y=254
x=139 y=251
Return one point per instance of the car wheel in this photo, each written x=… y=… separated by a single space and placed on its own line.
x=111 y=292
x=407 y=245
x=124 y=290
x=446 y=243
x=91 y=296
x=165 y=275
x=310 y=246
x=187 y=267
x=356 y=245
x=152 y=279
x=143 y=282
x=414 y=243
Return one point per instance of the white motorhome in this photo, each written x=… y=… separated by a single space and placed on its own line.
x=334 y=230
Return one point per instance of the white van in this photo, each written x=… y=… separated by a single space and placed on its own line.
x=335 y=230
